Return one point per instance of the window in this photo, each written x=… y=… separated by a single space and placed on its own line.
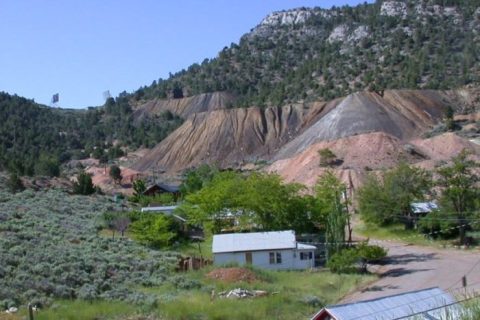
x=275 y=257
x=306 y=255
x=272 y=257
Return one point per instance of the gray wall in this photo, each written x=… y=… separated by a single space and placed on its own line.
x=261 y=259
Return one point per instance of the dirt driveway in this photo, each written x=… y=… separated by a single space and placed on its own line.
x=411 y=267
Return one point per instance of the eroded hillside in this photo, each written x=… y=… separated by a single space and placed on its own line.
x=230 y=137
x=184 y=107
x=366 y=129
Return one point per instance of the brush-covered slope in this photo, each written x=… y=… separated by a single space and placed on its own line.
x=229 y=137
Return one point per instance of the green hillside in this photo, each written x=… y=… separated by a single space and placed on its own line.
x=35 y=139
x=323 y=54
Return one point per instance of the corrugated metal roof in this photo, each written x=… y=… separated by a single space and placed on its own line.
x=167 y=209
x=415 y=304
x=235 y=242
x=303 y=246
x=422 y=207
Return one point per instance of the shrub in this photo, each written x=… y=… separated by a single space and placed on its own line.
x=344 y=261
x=83 y=185
x=14 y=183
x=116 y=173
x=355 y=259
x=48 y=255
x=327 y=157
x=180 y=282
x=154 y=230
x=369 y=254
x=87 y=292
x=312 y=301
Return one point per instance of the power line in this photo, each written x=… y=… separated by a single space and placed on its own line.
x=446 y=305
x=468 y=273
x=407 y=303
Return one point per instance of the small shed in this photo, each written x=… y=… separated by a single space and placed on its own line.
x=193 y=232
x=159 y=188
x=167 y=210
x=423 y=208
x=269 y=250
x=426 y=304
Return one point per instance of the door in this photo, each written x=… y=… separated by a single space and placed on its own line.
x=248 y=257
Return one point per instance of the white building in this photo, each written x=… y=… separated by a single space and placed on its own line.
x=269 y=250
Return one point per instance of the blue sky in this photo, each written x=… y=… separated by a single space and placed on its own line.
x=80 y=48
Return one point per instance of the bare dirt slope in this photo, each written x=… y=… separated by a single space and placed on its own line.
x=185 y=107
x=412 y=267
x=442 y=147
x=400 y=113
x=230 y=137
x=371 y=151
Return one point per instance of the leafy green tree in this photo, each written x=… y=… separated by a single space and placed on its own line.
x=354 y=259
x=370 y=253
x=47 y=166
x=139 y=187
x=388 y=198
x=83 y=185
x=329 y=194
x=207 y=205
x=460 y=191
x=14 y=183
x=154 y=230
x=115 y=173
x=258 y=199
x=197 y=178
x=449 y=122
x=115 y=152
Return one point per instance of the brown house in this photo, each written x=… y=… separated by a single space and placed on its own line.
x=159 y=188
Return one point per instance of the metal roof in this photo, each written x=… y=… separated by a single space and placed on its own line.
x=255 y=241
x=411 y=305
x=167 y=187
x=166 y=209
x=422 y=207
x=303 y=246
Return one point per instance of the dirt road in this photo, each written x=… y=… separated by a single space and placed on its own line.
x=410 y=267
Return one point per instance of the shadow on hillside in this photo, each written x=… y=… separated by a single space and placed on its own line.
x=398 y=272
x=380 y=288
x=409 y=257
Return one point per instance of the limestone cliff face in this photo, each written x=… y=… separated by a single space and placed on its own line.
x=230 y=137
x=185 y=107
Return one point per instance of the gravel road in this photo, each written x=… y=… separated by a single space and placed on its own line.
x=410 y=267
